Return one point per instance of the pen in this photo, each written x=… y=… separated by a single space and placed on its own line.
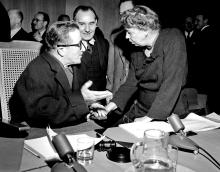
x=32 y=152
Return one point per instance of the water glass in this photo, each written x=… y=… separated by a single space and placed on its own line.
x=85 y=150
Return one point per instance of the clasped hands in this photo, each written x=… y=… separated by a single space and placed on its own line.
x=97 y=110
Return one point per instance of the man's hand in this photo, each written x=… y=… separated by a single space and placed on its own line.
x=98 y=111
x=93 y=96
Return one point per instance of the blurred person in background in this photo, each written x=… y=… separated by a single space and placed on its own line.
x=17 y=32
x=39 y=26
x=63 y=17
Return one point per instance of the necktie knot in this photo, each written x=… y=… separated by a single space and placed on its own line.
x=89 y=47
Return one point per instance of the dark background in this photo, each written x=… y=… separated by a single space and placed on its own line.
x=171 y=12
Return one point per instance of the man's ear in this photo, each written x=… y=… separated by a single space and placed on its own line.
x=45 y=23
x=61 y=51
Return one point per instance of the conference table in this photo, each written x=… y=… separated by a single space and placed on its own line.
x=187 y=161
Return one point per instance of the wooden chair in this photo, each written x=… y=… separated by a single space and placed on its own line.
x=14 y=57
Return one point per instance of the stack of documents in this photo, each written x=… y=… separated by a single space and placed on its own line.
x=43 y=147
x=192 y=122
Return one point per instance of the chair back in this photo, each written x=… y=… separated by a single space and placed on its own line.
x=14 y=57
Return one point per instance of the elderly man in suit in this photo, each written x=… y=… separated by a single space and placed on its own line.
x=17 y=32
x=47 y=92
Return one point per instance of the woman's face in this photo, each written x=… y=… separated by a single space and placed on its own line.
x=138 y=37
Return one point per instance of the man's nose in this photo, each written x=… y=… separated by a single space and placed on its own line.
x=87 y=28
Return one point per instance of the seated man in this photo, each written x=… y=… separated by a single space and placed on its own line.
x=39 y=26
x=47 y=92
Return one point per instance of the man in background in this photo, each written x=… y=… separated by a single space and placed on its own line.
x=39 y=26
x=207 y=59
x=17 y=32
x=63 y=17
x=119 y=52
x=95 y=55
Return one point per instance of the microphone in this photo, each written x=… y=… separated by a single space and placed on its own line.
x=66 y=154
x=180 y=139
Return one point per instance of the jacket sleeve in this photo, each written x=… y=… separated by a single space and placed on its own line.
x=110 y=68
x=127 y=90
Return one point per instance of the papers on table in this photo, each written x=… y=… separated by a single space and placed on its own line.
x=192 y=122
x=43 y=147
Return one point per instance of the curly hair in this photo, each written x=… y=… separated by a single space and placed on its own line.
x=58 y=33
x=140 y=17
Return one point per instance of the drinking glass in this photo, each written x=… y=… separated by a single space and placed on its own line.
x=85 y=150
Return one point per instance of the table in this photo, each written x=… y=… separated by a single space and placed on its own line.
x=209 y=140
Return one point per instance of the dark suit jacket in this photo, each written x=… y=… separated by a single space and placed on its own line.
x=158 y=79
x=102 y=46
x=42 y=96
x=22 y=35
x=31 y=34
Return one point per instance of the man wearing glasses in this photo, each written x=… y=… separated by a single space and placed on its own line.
x=39 y=26
x=47 y=93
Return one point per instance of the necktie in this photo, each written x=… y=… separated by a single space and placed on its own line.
x=188 y=35
x=75 y=84
x=89 y=47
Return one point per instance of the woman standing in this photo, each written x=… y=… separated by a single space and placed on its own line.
x=157 y=74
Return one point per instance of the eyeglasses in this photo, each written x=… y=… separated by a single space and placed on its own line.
x=80 y=44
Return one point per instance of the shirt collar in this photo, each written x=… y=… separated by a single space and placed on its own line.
x=85 y=43
x=205 y=27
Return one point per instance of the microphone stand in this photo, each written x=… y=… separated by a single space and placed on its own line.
x=66 y=153
x=180 y=140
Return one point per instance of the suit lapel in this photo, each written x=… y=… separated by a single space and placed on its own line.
x=100 y=50
x=59 y=72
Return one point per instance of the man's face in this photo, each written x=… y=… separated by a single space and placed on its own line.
x=199 y=22
x=38 y=23
x=87 y=24
x=189 y=25
x=13 y=18
x=124 y=6
x=73 y=53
